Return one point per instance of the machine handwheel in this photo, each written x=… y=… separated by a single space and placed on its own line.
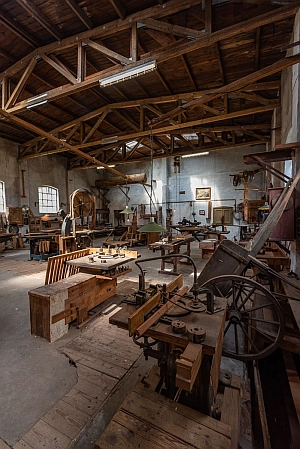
x=254 y=324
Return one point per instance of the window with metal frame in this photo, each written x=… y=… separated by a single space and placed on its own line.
x=48 y=200
x=2 y=197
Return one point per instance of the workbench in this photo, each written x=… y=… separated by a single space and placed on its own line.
x=43 y=245
x=172 y=248
x=199 y=232
x=112 y=265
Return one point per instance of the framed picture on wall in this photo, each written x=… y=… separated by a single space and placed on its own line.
x=203 y=193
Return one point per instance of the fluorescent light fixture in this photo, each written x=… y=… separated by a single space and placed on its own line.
x=192 y=136
x=36 y=98
x=30 y=106
x=101 y=167
x=204 y=153
x=128 y=74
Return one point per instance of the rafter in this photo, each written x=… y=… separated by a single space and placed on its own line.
x=118 y=8
x=80 y=13
x=239 y=84
x=18 y=30
x=41 y=18
x=166 y=54
x=152 y=104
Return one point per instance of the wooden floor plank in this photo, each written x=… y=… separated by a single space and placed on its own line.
x=21 y=444
x=92 y=390
x=181 y=427
x=67 y=419
x=43 y=436
x=95 y=377
x=184 y=412
x=118 y=346
x=106 y=355
x=96 y=364
x=82 y=401
x=131 y=433
x=3 y=445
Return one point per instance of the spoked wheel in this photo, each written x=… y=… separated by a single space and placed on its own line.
x=254 y=324
x=81 y=203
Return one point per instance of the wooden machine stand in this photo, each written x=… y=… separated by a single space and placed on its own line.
x=184 y=362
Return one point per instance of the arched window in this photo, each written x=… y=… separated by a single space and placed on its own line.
x=2 y=197
x=48 y=200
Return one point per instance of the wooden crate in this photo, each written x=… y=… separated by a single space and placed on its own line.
x=54 y=306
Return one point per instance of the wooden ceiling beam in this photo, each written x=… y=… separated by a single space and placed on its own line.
x=159 y=37
x=20 y=86
x=65 y=145
x=96 y=126
x=118 y=8
x=80 y=13
x=168 y=28
x=178 y=50
x=18 y=30
x=59 y=67
x=221 y=67
x=33 y=11
x=208 y=16
x=252 y=97
x=171 y=7
x=148 y=103
x=178 y=151
x=170 y=128
x=235 y=85
x=257 y=48
x=107 y=52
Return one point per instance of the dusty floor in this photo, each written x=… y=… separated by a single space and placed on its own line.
x=36 y=375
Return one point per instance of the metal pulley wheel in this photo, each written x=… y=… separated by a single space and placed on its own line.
x=178 y=327
x=196 y=334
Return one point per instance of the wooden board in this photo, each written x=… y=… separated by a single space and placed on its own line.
x=141 y=422
x=231 y=411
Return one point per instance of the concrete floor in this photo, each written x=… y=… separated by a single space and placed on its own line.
x=35 y=374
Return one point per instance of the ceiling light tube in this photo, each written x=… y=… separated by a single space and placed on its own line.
x=101 y=167
x=128 y=74
x=204 y=153
x=37 y=97
x=30 y=106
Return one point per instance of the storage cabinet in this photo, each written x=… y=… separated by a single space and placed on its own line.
x=223 y=215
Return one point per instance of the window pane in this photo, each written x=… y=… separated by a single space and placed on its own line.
x=2 y=197
x=48 y=200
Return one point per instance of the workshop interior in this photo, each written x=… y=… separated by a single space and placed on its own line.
x=150 y=224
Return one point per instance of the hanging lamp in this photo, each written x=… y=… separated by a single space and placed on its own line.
x=126 y=210
x=151 y=226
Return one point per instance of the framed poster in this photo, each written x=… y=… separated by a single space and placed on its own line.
x=203 y=193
